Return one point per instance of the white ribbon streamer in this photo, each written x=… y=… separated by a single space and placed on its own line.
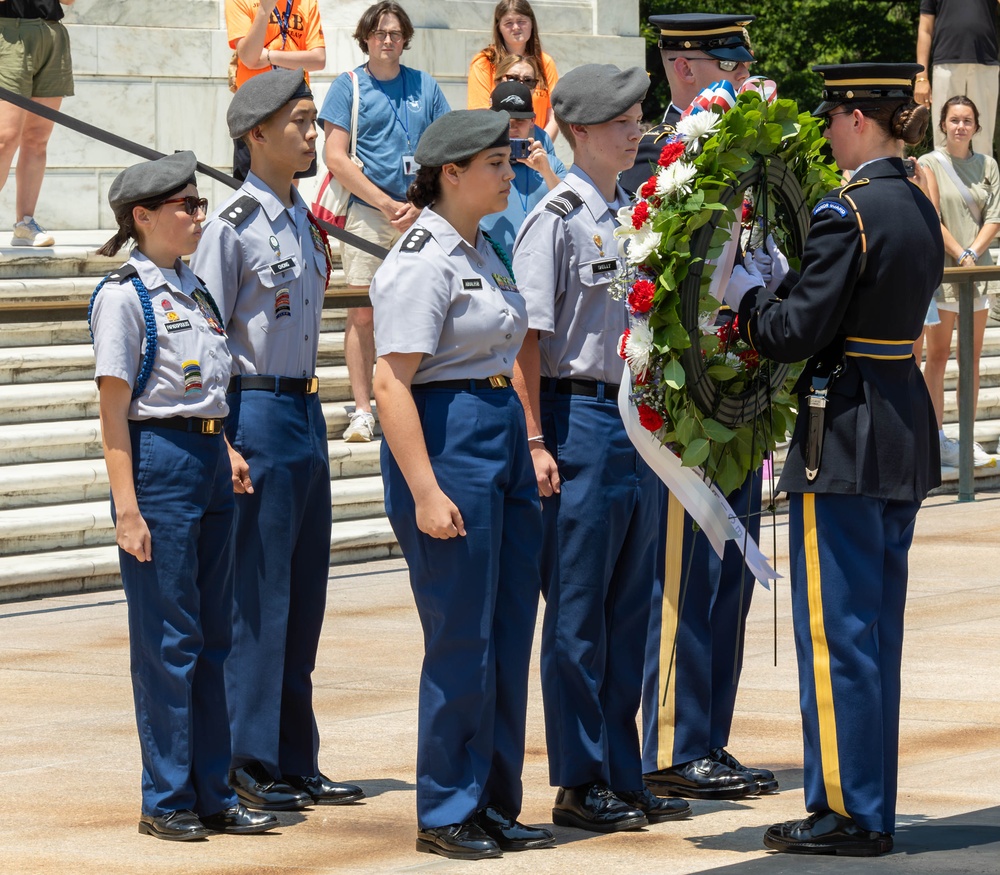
x=705 y=504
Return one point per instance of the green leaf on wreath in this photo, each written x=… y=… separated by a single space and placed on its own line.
x=716 y=431
x=673 y=371
x=728 y=475
x=721 y=372
x=695 y=453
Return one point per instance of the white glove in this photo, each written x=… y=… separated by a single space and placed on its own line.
x=763 y=262
x=745 y=278
x=778 y=265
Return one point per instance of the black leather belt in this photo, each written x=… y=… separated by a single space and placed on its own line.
x=186 y=423
x=496 y=382
x=570 y=386
x=268 y=383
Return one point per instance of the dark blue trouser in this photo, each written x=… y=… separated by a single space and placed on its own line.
x=694 y=652
x=477 y=597
x=179 y=617
x=597 y=571
x=849 y=567
x=282 y=567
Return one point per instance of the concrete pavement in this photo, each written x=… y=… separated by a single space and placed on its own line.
x=69 y=756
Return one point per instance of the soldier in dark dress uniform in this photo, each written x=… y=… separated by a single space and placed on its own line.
x=864 y=453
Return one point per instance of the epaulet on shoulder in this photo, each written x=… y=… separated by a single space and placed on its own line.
x=415 y=240
x=240 y=210
x=122 y=274
x=564 y=204
x=856 y=184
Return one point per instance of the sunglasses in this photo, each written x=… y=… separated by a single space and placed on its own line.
x=530 y=81
x=725 y=66
x=191 y=204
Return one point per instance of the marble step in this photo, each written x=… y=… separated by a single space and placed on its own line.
x=57 y=331
x=39 y=484
x=93 y=568
x=88 y=524
x=989 y=373
x=79 y=399
x=75 y=361
x=81 y=439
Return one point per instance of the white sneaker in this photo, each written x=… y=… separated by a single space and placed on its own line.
x=30 y=233
x=950 y=459
x=361 y=428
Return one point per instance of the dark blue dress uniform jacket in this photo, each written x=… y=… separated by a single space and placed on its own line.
x=880 y=435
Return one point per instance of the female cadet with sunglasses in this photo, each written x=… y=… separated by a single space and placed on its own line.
x=460 y=486
x=162 y=367
x=864 y=453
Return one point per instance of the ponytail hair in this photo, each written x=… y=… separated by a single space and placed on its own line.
x=901 y=120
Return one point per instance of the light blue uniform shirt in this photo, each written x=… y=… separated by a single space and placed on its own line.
x=564 y=266
x=191 y=367
x=526 y=190
x=391 y=118
x=455 y=303
x=268 y=275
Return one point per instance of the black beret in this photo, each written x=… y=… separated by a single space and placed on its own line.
x=596 y=93
x=460 y=134
x=262 y=96
x=864 y=82
x=724 y=37
x=151 y=179
x=514 y=98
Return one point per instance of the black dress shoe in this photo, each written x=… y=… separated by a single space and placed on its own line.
x=257 y=789
x=766 y=782
x=508 y=833
x=459 y=841
x=177 y=826
x=703 y=778
x=323 y=790
x=595 y=807
x=826 y=832
x=656 y=808
x=239 y=821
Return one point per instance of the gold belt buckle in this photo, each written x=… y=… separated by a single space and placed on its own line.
x=499 y=381
x=211 y=426
x=312 y=385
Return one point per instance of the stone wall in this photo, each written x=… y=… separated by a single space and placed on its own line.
x=154 y=72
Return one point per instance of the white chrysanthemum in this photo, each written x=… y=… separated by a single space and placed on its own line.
x=639 y=244
x=639 y=346
x=733 y=361
x=700 y=124
x=675 y=179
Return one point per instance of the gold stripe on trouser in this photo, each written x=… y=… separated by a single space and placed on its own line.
x=829 y=755
x=669 y=617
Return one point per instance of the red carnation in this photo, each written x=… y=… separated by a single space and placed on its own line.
x=727 y=331
x=640 y=214
x=648 y=188
x=747 y=212
x=649 y=419
x=624 y=340
x=670 y=153
x=640 y=299
x=749 y=358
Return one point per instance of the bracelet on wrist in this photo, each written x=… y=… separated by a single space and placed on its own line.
x=922 y=79
x=538 y=438
x=269 y=58
x=971 y=253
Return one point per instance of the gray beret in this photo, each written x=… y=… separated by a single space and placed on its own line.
x=149 y=180
x=262 y=96
x=460 y=134
x=596 y=93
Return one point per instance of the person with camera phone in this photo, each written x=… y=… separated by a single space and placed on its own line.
x=537 y=169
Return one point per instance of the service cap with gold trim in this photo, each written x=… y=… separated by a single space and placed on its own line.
x=853 y=83
x=723 y=37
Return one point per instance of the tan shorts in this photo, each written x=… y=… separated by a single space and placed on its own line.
x=35 y=59
x=368 y=224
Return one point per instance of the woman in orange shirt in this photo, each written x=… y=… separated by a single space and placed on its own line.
x=515 y=32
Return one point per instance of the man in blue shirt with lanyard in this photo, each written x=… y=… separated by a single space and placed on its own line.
x=395 y=106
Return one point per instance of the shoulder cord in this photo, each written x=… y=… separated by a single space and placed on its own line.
x=502 y=255
x=149 y=355
x=326 y=246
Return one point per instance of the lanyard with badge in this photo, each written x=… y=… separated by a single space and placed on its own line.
x=410 y=167
x=283 y=21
